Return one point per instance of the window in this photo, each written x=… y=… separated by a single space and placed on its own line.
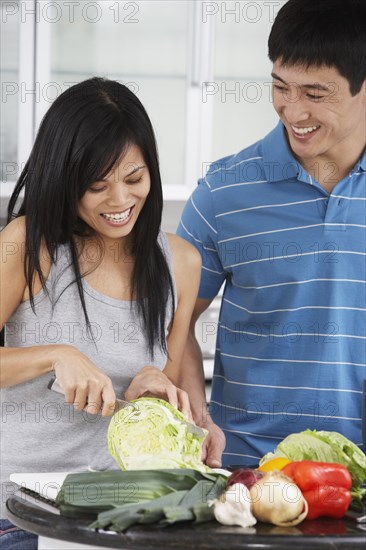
x=9 y=58
x=241 y=93
x=200 y=68
x=142 y=45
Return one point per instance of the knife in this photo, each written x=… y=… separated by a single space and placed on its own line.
x=122 y=404
x=119 y=403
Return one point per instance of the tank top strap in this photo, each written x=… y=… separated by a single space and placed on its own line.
x=61 y=274
x=167 y=251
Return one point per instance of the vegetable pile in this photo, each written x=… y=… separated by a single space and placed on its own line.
x=325 y=446
x=119 y=499
x=270 y=497
x=155 y=435
x=310 y=475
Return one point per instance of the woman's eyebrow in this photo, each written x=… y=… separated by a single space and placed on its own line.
x=135 y=170
x=315 y=86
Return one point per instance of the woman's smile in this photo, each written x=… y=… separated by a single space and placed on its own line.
x=118 y=218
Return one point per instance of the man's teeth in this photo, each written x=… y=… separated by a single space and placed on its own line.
x=303 y=131
x=118 y=217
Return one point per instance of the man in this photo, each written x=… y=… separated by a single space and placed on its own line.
x=282 y=225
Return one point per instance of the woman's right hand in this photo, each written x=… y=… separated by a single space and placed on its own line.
x=84 y=385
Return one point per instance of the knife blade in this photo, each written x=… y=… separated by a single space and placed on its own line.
x=119 y=403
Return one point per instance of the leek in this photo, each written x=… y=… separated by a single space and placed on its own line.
x=119 y=499
x=178 y=506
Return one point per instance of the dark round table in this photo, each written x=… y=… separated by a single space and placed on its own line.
x=314 y=535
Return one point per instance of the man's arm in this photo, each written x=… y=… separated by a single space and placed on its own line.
x=192 y=380
x=199 y=226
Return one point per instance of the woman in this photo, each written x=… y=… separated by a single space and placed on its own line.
x=89 y=285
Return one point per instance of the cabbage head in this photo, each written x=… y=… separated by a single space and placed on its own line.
x=154 y=436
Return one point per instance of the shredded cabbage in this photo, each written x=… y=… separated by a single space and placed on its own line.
x=155 y=436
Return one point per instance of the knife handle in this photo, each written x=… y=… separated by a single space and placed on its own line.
x=54 y=385
x=119 y=403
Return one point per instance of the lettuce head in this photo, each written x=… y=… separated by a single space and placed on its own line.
x=155 y=435
x=323 y=446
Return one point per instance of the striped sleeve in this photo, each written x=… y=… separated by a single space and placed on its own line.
x=198 y=226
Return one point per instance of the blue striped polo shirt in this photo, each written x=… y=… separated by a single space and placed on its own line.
x=291 y=343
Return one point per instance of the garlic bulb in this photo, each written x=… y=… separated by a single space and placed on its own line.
x=234 y=507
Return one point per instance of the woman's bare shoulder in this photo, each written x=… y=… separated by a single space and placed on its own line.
x=184 y=252
x=12 y=278
x=15 y=231
x=13 y=248
x=13 y=239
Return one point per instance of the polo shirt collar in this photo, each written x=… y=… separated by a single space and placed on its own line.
x=361 y=165
x=278 y=160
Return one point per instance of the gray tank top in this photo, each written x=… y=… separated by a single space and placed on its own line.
x=40 y=431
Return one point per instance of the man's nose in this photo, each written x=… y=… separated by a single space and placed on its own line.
x=295 y=109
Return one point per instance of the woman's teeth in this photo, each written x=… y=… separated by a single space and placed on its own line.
x=304 y=131
x=123 y=216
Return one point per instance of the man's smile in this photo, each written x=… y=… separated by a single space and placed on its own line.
x=302 y=131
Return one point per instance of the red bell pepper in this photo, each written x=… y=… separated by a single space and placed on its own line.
x=324 y=485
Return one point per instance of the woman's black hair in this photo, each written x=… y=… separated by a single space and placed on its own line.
x=322 y=32
x=81 y=138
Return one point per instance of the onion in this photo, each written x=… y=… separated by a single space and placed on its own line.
x=276 y=499
x=246 y=476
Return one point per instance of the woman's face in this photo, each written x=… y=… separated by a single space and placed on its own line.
x=111 y=206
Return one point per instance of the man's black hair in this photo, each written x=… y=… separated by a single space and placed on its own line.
x=322 y=32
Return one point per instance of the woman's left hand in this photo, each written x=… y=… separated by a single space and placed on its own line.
x=151 y=382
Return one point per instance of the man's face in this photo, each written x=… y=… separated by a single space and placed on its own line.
x=324 y=122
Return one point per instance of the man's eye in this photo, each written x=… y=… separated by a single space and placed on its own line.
x=279 y=88
x=315 y=97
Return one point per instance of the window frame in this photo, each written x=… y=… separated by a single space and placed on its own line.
x=35 y=73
